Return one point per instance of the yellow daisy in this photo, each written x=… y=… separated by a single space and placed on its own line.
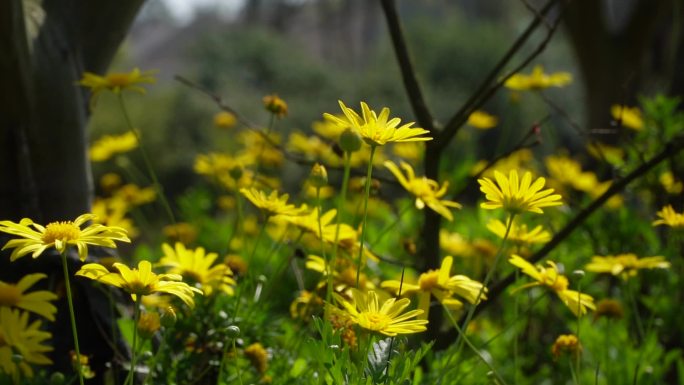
x=549 y=276
x=625 y=265
x=116 y=82
x=517 y=196
x=629 y=117
x=482 y=120
x=669 y=217
x=377 y=130
x=17 y=336
x=109 y=145
x=141 y=281
x=387 y=319
x=442 y=285
x=15 y=296
x=538 y=80
x=36 y=238
x=427 y=191
x=272 y=204
x=275 y=105
x=518 y=233
x=225 y=119
x=196 y=266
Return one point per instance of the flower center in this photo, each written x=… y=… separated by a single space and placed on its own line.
x=9 y=295
x=137 y=287
x=118 y=79
x=63 y=231
x=374 y=321
x=429 y=280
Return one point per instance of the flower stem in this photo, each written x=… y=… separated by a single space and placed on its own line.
x=148 y=163
x=365 y=215
x=340 y=204
x=393 y=224
x=134 y=349
x=472 y=347
x=72 y=316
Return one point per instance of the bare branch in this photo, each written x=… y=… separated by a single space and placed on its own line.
x=486 y=90
x=671 y=149
x=408 y=73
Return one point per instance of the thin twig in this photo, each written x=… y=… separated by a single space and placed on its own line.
x=408 y=73
x=671 y=149
x=486 y=89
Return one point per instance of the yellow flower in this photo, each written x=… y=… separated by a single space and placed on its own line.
x=629 y=117
x=518 y=233
x=183 y=232
x=148 y=324
x=377 y=130
x=482 y=120
x=141 y=281
x=305 y=305
x=275 y=105
x=225 y=119
x=134 y=195
x=625 y=265
x=606 y=153
x=671 y=184
x=387 y=319
x=271 y=204
x=344 y=274
x=196 y=265
x=14 y=296
x=442 y=285
x=257 y=356
x=411 y=151
x=569 y=172
x=109 y=145
x=112 y=212
x=669 y=217
x=427 y=191
x=609 y=308
x=36 y=238
x=116 y=82
x=566 y=343
x=517 y=196
x=538 y=80
x=550 y=277
x=17 y=336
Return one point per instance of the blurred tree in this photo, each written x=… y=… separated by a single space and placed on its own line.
x=46 y=47
x=613 y=40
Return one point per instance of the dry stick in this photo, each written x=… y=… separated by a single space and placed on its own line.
x=672 y=148
x=485 y=91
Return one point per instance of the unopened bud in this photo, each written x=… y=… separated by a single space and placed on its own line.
x=319 y=176
x=350 y=140
x=168 y=317
x=233 y=331
x=57 y=378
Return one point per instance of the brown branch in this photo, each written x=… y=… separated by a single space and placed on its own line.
x=672 y=148
x=485 y=91
x=408 y=73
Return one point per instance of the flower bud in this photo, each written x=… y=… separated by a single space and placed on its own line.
x=319 y=176
x=233 y=331
x=275 y=105
x=168 y=317
x=350 y=140
x=57 y=378
x=225 y=119
x=148 y=324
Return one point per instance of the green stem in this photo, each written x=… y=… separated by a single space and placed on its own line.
x=72 y=316
x=635 y=311
x=472 y=347
x=340 y=205
x=237 y=364
x=365 y=215
x=134 y=349
x=393 y=224
x=148 y=163
x=153 y=362
x=488 y=277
